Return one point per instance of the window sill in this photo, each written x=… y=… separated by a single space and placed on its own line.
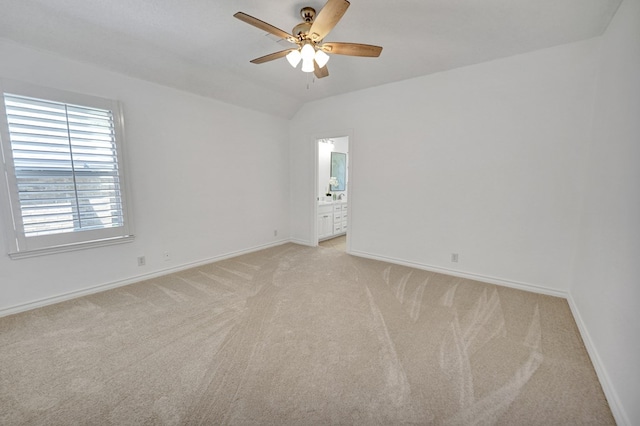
x=71 y=247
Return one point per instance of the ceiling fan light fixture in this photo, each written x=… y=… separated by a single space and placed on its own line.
x=308 y=38
x=321 y=58
x=294 y=58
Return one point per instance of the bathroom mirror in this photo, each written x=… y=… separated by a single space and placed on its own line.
x=339 y=170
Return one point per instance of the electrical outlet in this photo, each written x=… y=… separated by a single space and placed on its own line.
x=142 y=261
x=166 y=256
x=454 y=257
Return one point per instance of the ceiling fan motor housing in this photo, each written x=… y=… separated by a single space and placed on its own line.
x=301 y=30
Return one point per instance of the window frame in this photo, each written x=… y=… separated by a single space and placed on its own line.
x=20 y=246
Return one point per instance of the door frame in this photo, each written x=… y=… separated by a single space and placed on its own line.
x=348 y=133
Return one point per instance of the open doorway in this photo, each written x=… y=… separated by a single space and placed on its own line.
x=332 y=195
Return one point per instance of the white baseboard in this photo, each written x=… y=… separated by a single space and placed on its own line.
x=108 y=286
x=303 y=242
x=462 y=274
x=617 y=409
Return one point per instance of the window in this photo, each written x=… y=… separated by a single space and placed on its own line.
x=63 y=167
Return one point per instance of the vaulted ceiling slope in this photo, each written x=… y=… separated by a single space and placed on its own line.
x=199 y=47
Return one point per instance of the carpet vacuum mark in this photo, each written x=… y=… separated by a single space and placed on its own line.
x=297 y=335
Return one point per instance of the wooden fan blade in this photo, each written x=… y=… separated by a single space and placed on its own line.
x=264 y=26
x=271 y=57
x=320 y=72
x=327 y=18
x=352 y=49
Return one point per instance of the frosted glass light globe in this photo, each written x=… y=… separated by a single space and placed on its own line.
x=307 y=52
x=307 y=65
x=294 y=58
x=321 y=58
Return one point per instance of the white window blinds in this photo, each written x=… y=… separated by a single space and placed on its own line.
x=64 y=181
x=66 y=166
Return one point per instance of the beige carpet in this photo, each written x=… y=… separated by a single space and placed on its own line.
x=299 y=335
x=337 y=243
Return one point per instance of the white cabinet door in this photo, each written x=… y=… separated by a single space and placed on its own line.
x=325 y=225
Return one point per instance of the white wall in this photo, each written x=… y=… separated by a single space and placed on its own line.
x=605 y=292
x=486 y=161
x=207 y=179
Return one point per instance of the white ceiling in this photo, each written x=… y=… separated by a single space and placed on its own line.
x=197 y=45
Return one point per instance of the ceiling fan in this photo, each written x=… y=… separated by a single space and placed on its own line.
x=308 y=36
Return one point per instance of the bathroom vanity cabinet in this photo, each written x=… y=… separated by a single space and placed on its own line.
x=332 y=219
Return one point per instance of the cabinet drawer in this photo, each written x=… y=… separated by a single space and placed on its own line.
x=344 y=226
x=344 y=207
x=337 y=227
x=337 y=207
x=337 y=217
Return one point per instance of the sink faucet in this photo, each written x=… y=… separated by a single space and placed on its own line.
x=340 y=196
